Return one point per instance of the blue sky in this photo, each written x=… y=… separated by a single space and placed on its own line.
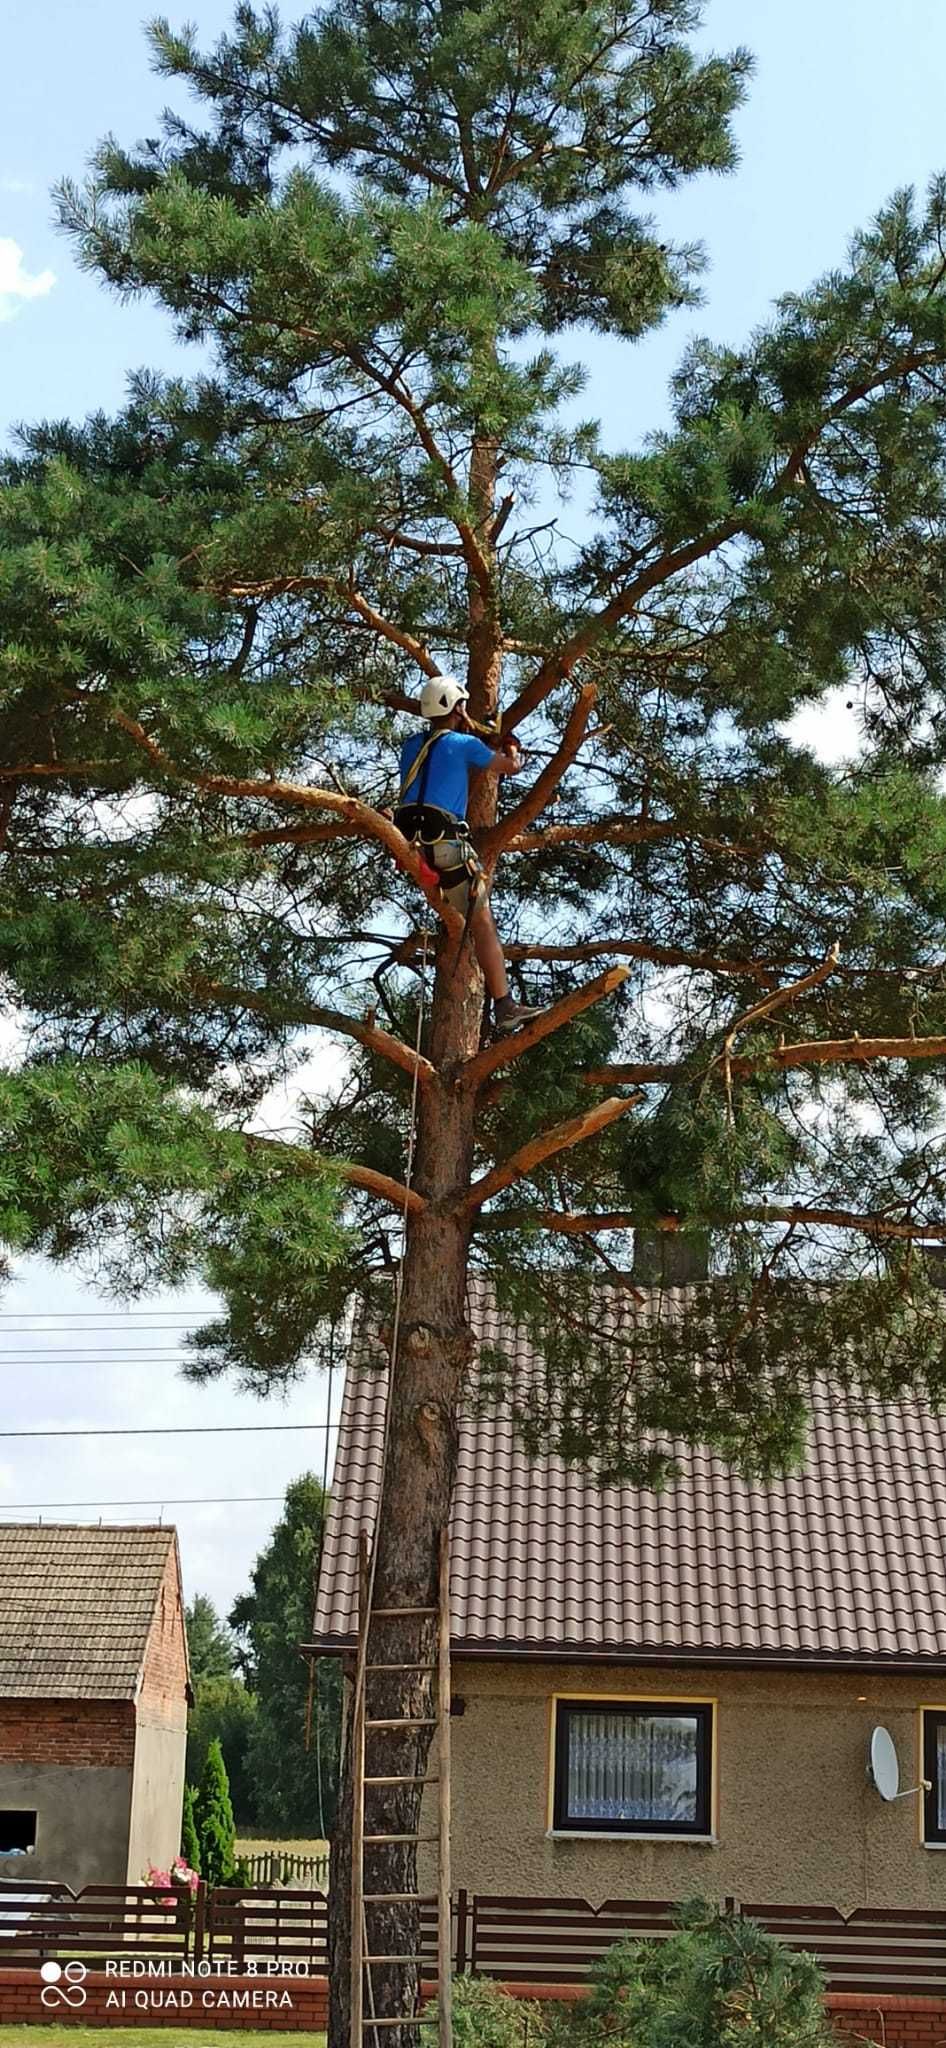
x=845 y=106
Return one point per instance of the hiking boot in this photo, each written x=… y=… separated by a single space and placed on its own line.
x=509 y=1016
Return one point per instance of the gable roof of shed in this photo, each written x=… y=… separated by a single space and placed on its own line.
x=76 y=1606
x=844 y=1563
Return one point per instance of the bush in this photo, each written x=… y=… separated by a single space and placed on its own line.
x=190 y=1844
x=215 y=1824
x=485 y=2017
x=718 y=1982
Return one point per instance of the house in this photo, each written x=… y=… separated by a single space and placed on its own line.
x=662 y=1695
x=93 y=1702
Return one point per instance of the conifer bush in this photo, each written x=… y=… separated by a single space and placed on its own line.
x=719 y=1982
x=215 y=1824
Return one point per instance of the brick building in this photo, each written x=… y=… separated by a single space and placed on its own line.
x=93 y=1702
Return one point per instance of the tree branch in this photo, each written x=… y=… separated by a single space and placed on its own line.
x=569 y=1224
x=284 y=586
x=391 y=1191
x=625 y=832
x=560 y=664
x=473 y=1072
x=507 y=829
x=659 y=956
x=814 y=1052
x=359 y=817
x=558 y=1139
x=363 y=1031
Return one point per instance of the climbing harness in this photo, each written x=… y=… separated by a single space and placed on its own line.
x=449 y=857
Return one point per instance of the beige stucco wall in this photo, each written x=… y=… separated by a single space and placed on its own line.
x=796 y=1821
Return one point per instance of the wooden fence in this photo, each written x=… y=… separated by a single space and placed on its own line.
x=554 y=1941
x=275 y=1866
x=517 y=1940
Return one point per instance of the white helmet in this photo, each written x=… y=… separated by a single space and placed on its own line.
x=441 y=695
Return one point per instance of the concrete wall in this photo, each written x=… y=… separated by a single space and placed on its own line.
x=795 y=1820
x=157 y=1797
x=82 y=1824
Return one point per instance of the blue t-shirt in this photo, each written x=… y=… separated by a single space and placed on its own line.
x=453 y=758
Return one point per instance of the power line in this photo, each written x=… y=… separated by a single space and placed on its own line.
x=186 y=1500
x=176 y=1429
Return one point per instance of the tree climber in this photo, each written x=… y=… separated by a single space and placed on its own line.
x=435 y=776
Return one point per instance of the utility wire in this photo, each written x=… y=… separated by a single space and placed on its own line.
x=176 y=1429
x=185 y=1500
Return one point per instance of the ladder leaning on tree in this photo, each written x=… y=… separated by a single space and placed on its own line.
x=367 y=1908
x=399 y=1731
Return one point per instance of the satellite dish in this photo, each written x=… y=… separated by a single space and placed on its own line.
x=883 y=1767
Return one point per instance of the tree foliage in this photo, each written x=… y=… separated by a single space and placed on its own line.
x=293 y=1743
x=209 y=1642
x=389 y=232
x=190 y=1840
x=719 y=1981
x=225 y=1711
x=215 y=1825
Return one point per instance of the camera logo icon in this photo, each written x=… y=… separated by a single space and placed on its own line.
x=63 y=1984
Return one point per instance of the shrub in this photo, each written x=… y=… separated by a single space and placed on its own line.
x=485 y=2017
x=190 y=1845
x=215 y=1824
x=718 y=1982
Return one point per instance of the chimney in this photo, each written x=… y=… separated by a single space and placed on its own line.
x=670 y=1258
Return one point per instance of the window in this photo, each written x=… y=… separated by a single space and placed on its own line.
x=633 y=1768
x=934 y=1768
x=17 y=1832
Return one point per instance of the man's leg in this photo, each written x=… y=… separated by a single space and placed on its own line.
x=489 y=952
x=508 y=1014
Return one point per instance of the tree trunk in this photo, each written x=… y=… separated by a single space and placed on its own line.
x=420 y=1466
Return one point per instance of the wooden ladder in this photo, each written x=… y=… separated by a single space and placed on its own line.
x=366 y=2023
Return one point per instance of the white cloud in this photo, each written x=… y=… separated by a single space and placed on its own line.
x=16 y=186
x=16 y=283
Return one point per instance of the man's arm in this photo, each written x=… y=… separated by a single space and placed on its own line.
x=504 y=760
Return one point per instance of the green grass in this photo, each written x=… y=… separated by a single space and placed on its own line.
x=152 y=2037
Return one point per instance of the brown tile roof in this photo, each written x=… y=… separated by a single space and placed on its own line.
x=76 y=1605
x=846 y=1561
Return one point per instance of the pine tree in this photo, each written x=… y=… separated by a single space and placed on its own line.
x=190 y=1844
x=215 y=1824
x=214 y=609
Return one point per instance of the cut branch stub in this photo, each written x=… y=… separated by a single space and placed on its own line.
x=472 y=1073
x=558 y=1139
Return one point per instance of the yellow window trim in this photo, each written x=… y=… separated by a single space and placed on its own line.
x=643 y=1699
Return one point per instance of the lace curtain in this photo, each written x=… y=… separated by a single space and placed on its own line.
x=635 y=1766
x=940 y=1780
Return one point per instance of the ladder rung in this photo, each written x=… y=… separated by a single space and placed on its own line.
x=400 y=1667
x=405 y=1778
x=412 y=1721
x=389 y=1959
x=414 y=2021
x=397 y=1898
x=402 y=1838
x=388 y=1613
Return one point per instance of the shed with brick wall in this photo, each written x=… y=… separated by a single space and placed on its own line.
x=93 y=1702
